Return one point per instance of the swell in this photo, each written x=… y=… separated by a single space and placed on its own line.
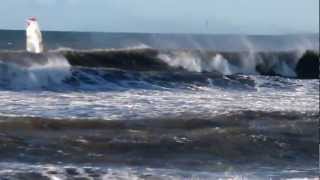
x=265 y=63
x=241 y=136
x=20 y=69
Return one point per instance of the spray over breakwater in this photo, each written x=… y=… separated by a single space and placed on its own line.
x=56 y=66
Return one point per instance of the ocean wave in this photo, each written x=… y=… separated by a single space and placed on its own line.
x=29 y=72
x=19 y=69
x=225 y=63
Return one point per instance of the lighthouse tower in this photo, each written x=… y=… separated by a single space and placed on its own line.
x=34 y=37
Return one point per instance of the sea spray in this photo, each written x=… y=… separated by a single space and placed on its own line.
x=54 y=70
x=220 y=64
x=185 y=60
x=138 y=67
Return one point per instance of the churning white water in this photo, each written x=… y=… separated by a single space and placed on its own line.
x=299 y=96
x=52 y=71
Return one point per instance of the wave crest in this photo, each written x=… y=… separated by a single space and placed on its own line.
x=34 y=71
x=21 y=70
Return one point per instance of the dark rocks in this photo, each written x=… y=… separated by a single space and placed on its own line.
x=308 y=66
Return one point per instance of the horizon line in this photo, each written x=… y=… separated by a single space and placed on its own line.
x=173 y=33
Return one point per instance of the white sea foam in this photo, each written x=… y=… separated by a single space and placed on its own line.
x=58 y=172
x=246 y=63
x=52 y=71
x=184 y=60
x=289 y=95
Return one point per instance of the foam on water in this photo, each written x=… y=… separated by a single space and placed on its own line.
x=51 y=73
x=64 y=172
x=281 y=95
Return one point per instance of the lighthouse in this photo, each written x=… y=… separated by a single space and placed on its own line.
x=34 y=37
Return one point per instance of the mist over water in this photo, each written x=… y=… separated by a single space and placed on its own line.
x=15 y=40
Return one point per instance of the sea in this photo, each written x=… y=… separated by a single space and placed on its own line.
x=100 y=106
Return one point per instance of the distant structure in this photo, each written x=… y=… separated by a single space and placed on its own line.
x=34 y=36
x=207 y=28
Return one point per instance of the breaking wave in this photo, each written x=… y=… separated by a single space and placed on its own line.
x=28 y=73
x=141 y=66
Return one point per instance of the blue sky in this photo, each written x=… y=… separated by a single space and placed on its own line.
x=166 y=16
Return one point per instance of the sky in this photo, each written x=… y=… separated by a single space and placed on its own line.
x=166 y=16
